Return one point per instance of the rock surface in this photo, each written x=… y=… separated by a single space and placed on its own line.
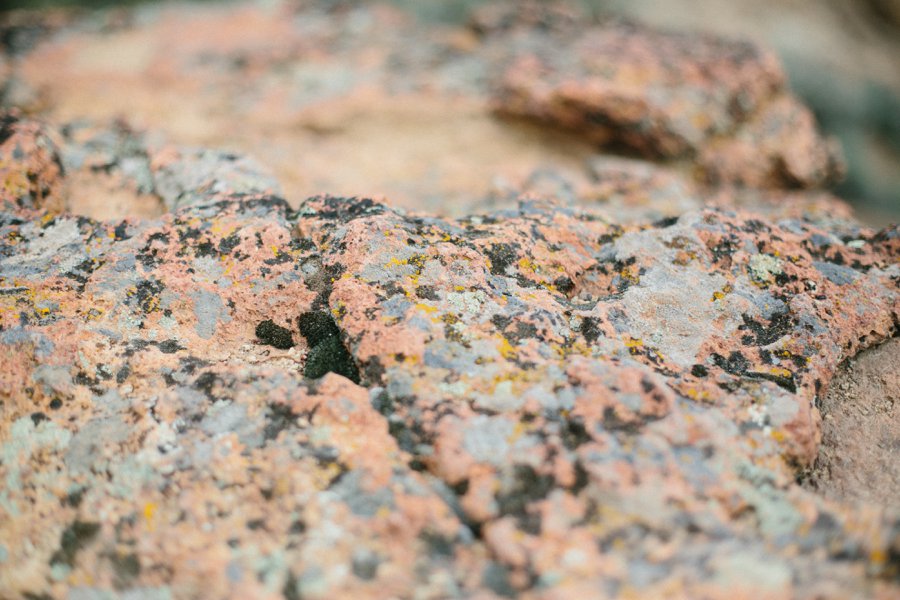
x=605 y=386
x=858 y=457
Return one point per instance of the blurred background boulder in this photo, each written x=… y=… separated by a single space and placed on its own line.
x=842 y=58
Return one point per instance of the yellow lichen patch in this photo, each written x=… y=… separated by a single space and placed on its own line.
x=506 y=349
x=634 y=343
x=578 y=347
x=323 y=476
x=780 y=372
x=418 y=261
x=720 y=294
x=518 y=431
x=221 y=230
x=426 y=308
x=407 y=359
x=229 y=265
x=150 y=514
x=93 y=314
x=526 y=264
x=777 y=435
x=630 y=274
x=29 y=299
x=878 y=556
x=696 y=394
x=684 y=257
x=14 y=182
x=396 y=262
x=788 y=354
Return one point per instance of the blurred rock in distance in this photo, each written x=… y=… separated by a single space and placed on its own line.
x=842 y=58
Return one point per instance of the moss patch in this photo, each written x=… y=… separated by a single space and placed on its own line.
x=275 y=335
x=327 y=353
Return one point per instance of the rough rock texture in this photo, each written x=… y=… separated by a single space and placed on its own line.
x=858 y=457
x=843 y=59
x=606 y=390
x=362 y=100
x=671 y=96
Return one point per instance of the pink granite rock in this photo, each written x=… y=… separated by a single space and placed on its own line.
x=31 y=172
x=607 y=391
x=720 y=103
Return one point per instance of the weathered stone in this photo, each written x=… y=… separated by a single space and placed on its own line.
x=608 y=388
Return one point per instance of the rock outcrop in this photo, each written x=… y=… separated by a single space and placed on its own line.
x=606 y=386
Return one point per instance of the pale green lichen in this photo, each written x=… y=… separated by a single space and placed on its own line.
x=765 y=267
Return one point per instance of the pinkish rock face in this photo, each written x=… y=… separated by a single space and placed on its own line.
x=573 y=397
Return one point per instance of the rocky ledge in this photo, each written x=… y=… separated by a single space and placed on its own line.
x=606 y=386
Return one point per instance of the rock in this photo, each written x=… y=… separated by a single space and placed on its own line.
x=188 y=177
x=607 y=384
x=31 y=172
x=545 y=366
x=857 y=100
x=675 y=96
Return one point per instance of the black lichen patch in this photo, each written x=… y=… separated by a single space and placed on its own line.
x=207 y=383
x=344 y=210
x=666 y=222
x=779 y=326
x=121 y=232
x=229 y=243
x=274 y=335
x=738 y=365
x=613 y=421
x=327 y=354
x=122 y=374
x=82 y=272
x=574 y=433
x=590 y=329
x=501 y=257
x=784 y=381
x=147 y=294
x=564 y=285
x=527 y=486
x=6 y=125
x=735 y=364
x=74 y=498
x=78 y=535
x=427 y=292
x=169 y=346
x=278 y=418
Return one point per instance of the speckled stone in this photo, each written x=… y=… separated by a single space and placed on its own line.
x=723 y=105
x=607 y=391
